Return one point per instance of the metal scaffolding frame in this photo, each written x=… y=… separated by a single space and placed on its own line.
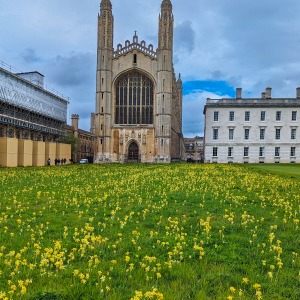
x=29 y=111
x=29 y=120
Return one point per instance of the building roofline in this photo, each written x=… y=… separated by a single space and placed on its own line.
x=47 y=90
x=31 y=72
x=252 y=102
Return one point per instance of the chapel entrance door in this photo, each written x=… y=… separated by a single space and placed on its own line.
x=133 y=152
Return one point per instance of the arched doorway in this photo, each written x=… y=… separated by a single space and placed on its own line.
x=133 y=152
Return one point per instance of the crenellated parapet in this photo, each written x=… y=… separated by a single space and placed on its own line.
x=135 y=45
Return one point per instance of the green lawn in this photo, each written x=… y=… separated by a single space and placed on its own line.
x=175 y=232
x=290 y=170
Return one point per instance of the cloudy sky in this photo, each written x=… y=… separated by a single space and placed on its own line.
x=218 y=45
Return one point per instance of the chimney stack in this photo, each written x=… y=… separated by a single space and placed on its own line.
x=268 y=93
x=263 y=95
x=75 y=121
x=92 y=123
x=238 y=93
x=298 y=93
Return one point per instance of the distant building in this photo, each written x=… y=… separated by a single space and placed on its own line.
x=138 y=114
x=86 y=141
x=252 y=130
x=32 y=120
x=194 y=149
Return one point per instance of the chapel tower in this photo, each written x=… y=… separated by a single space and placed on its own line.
x=103 y=116
x=164 y=78
x=138 y=99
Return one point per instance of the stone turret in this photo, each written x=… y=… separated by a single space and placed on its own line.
x=166 y=23
x=106 y=4
x=165 y=73
x=103 y=115
x=105 y=25
x=166 y=5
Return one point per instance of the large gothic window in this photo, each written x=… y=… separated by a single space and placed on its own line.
x=134 y=99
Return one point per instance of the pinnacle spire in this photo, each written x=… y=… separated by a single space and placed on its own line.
x=106 y=4
x=179 y=77
x=166 y=5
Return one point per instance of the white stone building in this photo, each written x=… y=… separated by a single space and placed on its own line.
x=252 y=130
x=138 y=100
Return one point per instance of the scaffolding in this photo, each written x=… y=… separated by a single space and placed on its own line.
x=28 y=107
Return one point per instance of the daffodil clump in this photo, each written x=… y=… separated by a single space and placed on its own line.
x=172 y=232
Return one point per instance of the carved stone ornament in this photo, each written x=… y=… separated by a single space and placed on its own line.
x=133 y=134
x=135 y=45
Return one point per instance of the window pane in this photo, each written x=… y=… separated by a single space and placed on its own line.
x=261 y=151
x=278 y=116
x=138 y=95
x=247 y=116
x=293 y=151
x=277 y=134
x=246 y=133
x=121 y=96
x=215 y=133
x=262 y=134
x=125 y=96
x=117 y=95
x=215 y=151
x=216 y=116
x=117 y=116
x=231 y=131
x=125 y=115
x=134 y=99
x=262 y=115
x=293 y=133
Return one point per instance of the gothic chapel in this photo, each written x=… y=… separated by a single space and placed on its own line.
x=138 y=114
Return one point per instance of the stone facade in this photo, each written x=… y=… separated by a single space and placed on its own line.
x=260 y=130
x=194 y=149
x=86 y=140
x=138 y=98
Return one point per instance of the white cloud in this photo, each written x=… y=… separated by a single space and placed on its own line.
x=193 y=118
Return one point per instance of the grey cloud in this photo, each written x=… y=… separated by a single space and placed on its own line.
x=184 y=36
x=74 y=69
x=217 y=75
x=29 y=56
x=193 y=118
x=74 y=74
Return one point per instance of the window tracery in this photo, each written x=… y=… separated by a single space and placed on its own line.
x=134 y=99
